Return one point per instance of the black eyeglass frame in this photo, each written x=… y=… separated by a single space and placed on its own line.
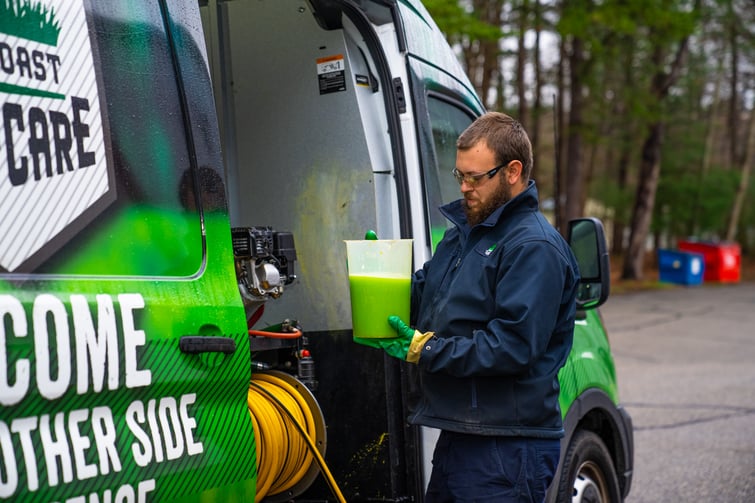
x=475 y=179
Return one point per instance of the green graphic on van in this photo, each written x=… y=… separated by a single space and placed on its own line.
x=53 y=146
x=29 y=20
x=103 y=399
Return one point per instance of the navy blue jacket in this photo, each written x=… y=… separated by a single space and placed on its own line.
x=500 y=298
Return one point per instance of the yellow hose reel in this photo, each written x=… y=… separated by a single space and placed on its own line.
x=290 y=435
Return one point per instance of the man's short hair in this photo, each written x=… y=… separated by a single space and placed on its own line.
x=502 y=134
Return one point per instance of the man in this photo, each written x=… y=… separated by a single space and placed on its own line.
x=494 y=312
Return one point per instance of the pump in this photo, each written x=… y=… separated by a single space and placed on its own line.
x=264 y=263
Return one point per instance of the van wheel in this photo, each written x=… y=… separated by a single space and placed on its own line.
x=587 y=474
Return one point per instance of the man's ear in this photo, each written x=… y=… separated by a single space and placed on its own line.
x=514 y=172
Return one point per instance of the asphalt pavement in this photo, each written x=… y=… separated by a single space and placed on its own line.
x=685 y=359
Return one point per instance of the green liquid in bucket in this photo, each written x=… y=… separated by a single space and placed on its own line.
x=373 y=300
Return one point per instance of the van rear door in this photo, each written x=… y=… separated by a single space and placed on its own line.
x=116 y=246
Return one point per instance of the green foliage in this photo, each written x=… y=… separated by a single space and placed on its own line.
x=628 y=48
x=457 y=23
x=746 y=234
x=609 y=194
x=694 y=203
x=691 y=200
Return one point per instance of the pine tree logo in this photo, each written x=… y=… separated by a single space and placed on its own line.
x=30 y=20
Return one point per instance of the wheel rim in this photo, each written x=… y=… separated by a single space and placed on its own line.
x=590 y=485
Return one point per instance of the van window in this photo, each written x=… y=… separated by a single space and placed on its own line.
x=145 y=221
x=447 y=122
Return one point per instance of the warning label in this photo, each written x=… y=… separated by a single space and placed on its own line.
x=331 y=73
x=53 y=164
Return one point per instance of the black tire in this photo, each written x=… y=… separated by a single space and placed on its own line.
x=587 y=472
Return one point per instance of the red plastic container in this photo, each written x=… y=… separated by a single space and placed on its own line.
x=723 y=260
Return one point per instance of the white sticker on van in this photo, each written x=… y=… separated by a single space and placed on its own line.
x=54 y=172
x=331 y=74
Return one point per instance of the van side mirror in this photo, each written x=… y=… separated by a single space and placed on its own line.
x=588 y=242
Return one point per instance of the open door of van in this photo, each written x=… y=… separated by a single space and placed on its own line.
x=322 y=107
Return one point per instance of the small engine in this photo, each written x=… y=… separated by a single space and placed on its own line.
x=264 y=263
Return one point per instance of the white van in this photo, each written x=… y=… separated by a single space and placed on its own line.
x=177 y=179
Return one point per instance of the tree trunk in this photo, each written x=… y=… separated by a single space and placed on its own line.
x=482 y=56
x=521 y=63
x=500 y=100
x=622 y=181
x=650 y=167
x=574 y=168
x=489 y=68
x=537 y=103
x=626 y=145
x=558 y=124
x=744 y=182
x=712 y=134
x=619 y=221
x=733 y=121
x=642 y=213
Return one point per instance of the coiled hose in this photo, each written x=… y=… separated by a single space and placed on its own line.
x=284 y=457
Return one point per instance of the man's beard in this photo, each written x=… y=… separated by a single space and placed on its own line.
x=480 y=213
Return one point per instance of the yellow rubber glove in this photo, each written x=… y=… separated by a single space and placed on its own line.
x=407 y=346
x=416 y=338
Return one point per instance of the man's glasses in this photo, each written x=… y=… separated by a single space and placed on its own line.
x=473 y=180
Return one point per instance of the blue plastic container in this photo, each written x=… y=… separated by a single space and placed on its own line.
x=681 y=267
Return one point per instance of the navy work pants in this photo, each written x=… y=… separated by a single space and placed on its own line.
x=486 y=469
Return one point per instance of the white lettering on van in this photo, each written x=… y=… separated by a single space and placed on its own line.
x=50 y=320
x=96 y=350
x=124 y=494
x=132 y=340
x=59 y=441
x=56 y=448
x=10 y=481
x=90 y=346
x=171 y=429
x=80 y=444
x=23 y=427
x=189 y=425
x=104 y=433
x=54 y=330
x=11 y=394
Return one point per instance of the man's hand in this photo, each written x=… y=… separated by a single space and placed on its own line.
x=407 y=346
